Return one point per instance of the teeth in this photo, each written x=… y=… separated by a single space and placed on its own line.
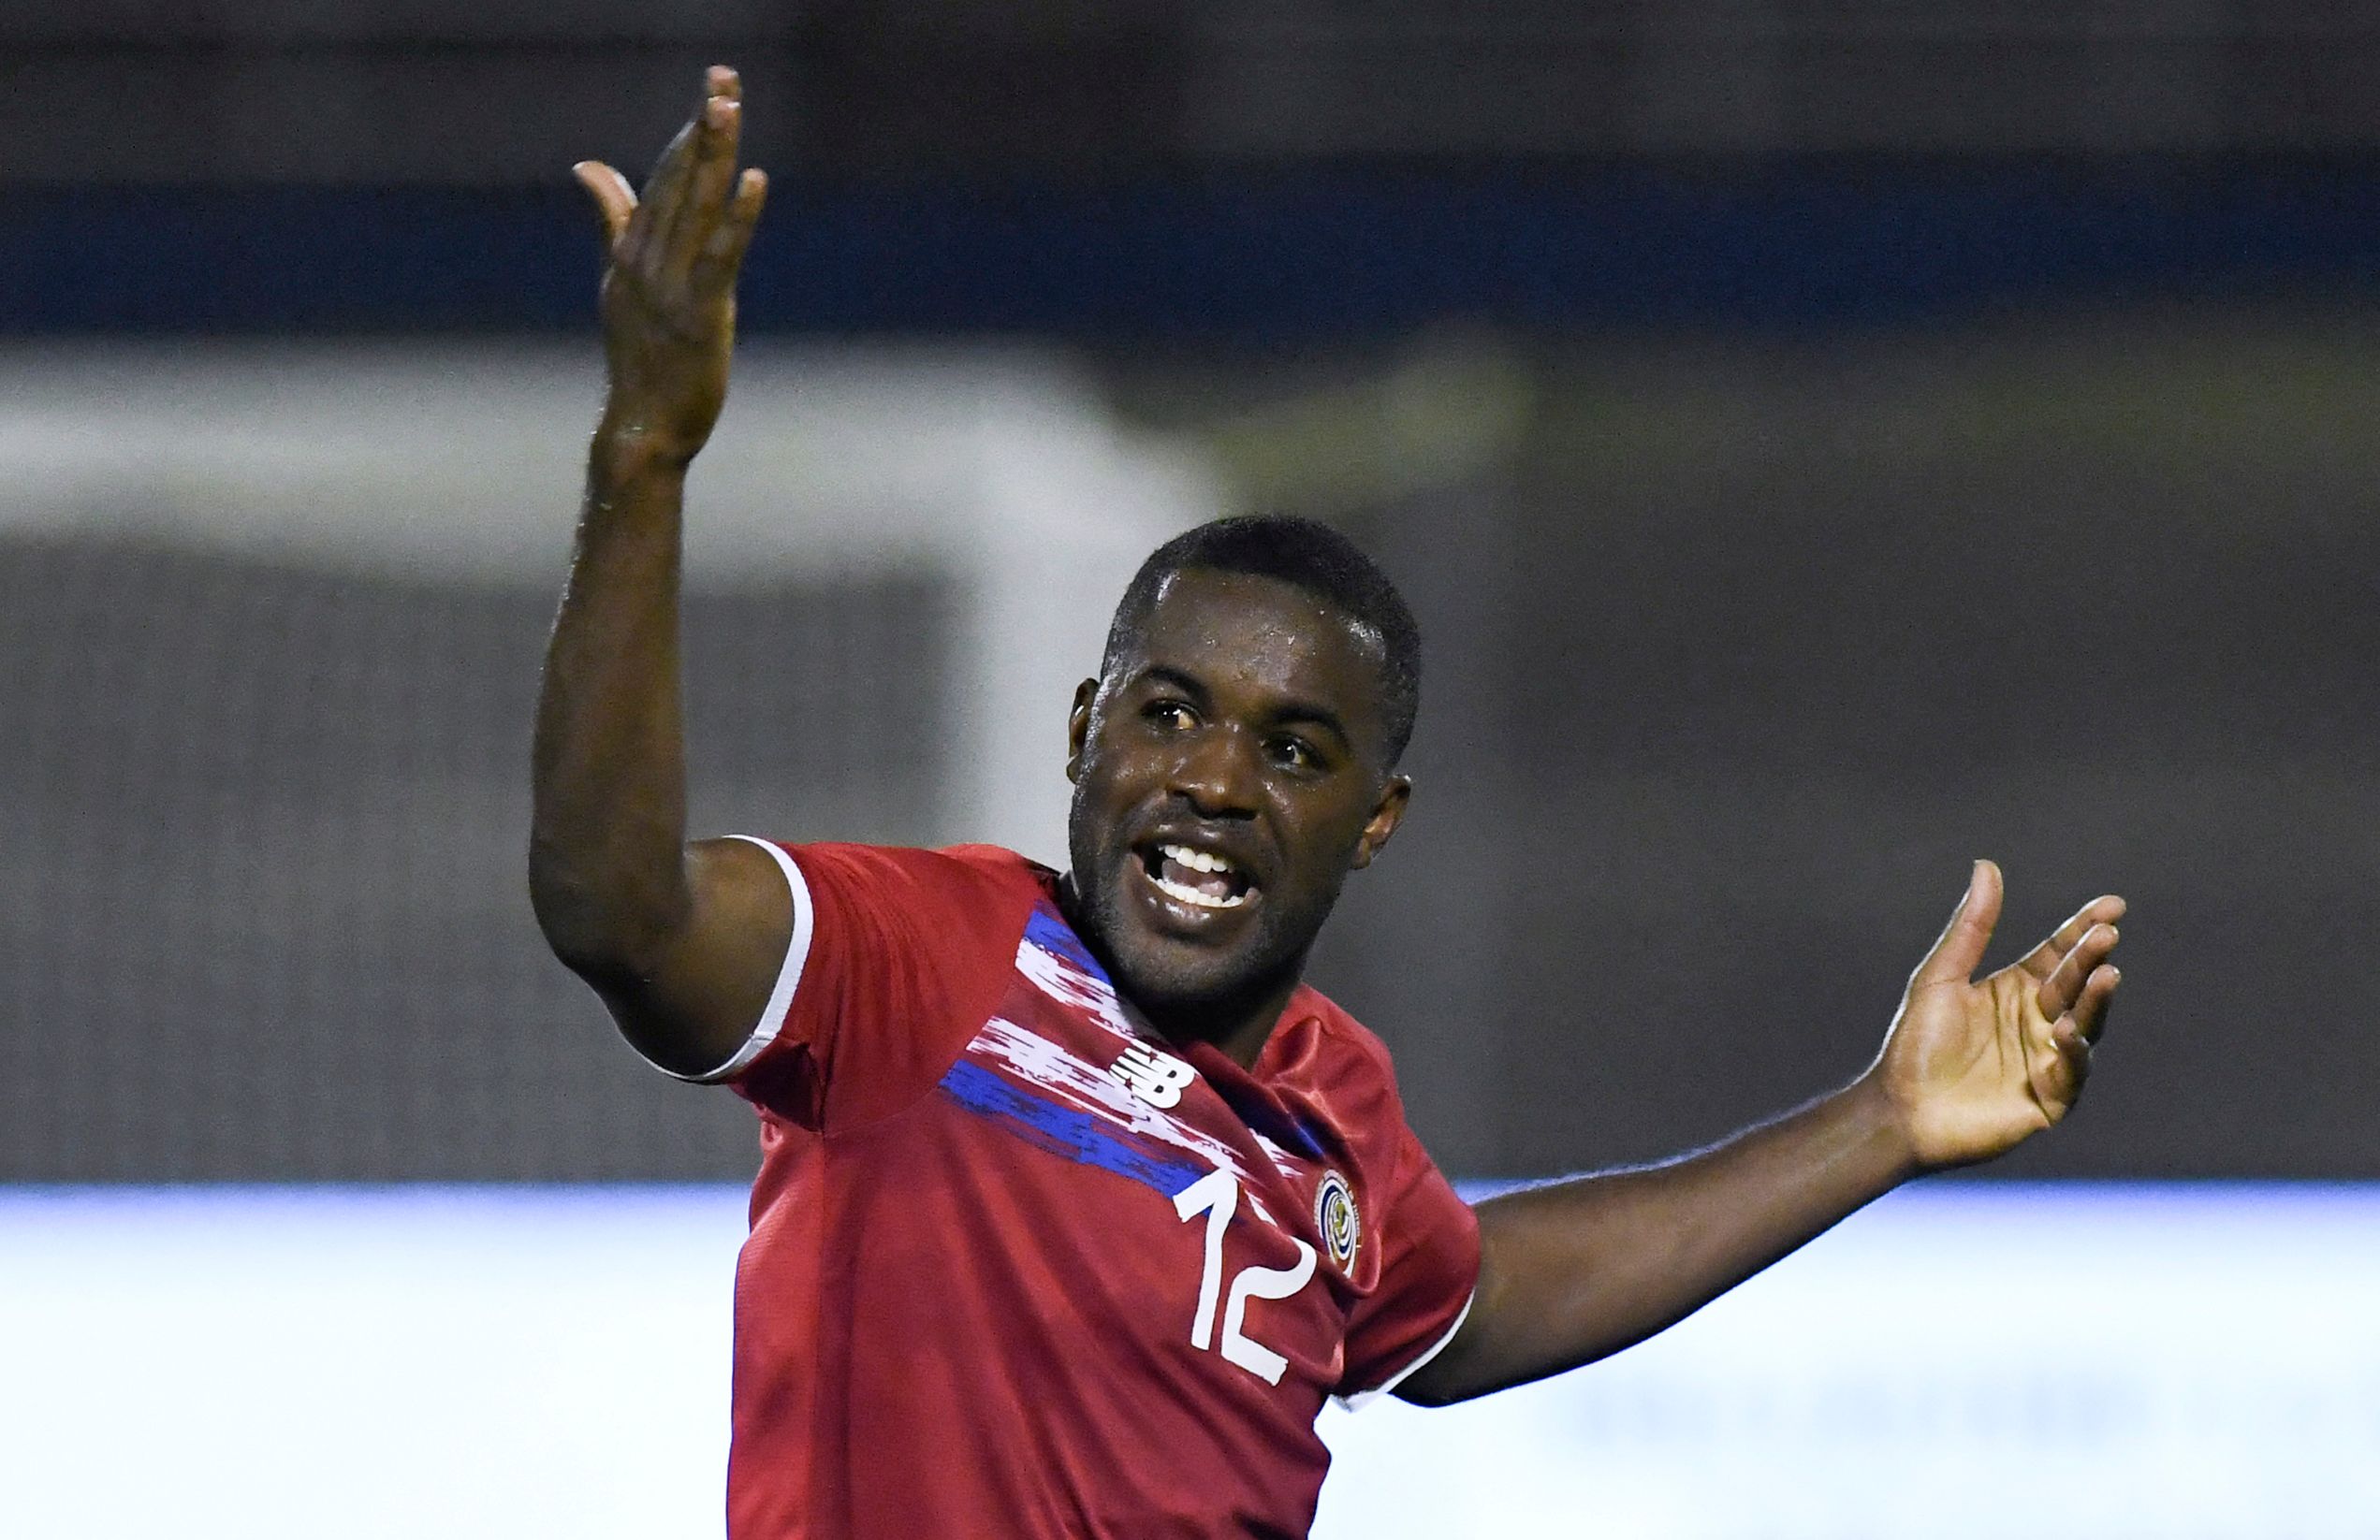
x=1197 y=861
x=1192 y=896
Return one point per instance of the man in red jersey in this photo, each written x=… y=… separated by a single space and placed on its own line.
x=1076 y=1203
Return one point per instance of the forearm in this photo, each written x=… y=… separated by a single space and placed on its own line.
x=1577 y=1270
x=608 y=820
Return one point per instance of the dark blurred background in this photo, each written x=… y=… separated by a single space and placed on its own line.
x=1824 y=442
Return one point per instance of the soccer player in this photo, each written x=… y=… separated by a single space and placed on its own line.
x=1074 y=1203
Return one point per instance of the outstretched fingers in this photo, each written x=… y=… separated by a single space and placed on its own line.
x=2062 y=991
x=1959 y=950
x=2043 y=960
x=723 y=251
x=2059 y=1082
x=615 y=200
x=710 y=178
x=2088 y=1016
x=663 y=188
x=670 y=186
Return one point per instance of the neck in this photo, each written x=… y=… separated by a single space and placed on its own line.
x=1237 y=1024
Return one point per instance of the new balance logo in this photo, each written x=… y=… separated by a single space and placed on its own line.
x=1156 y=1077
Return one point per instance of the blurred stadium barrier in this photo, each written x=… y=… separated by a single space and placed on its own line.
x=2069 y=1362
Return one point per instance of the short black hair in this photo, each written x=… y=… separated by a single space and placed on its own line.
x=1306 y=555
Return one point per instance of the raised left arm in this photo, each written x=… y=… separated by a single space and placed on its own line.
x=1573 y=1271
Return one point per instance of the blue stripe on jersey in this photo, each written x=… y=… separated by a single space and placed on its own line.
x=1053 y=935
x=1079 y=1136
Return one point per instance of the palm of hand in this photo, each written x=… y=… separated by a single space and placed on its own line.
x=669 y=279
x=667 y=352
x=1972 y=1067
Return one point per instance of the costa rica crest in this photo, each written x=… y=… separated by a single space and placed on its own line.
x=1335 y=1216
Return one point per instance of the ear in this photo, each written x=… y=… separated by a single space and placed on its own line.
x=1078 y=726
x=1387 y=814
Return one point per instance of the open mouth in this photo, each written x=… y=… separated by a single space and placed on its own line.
x=1199 y=879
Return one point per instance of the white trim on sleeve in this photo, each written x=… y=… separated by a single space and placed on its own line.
x=1362 y=1399
x=780 y=999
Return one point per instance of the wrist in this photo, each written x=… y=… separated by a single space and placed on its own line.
x=1883 y=1126
x=626 y=444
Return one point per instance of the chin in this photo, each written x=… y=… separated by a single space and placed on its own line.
x=1172 y=960
x=1165 y=975
x=1161 y=983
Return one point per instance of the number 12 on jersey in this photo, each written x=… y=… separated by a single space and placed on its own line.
x=1217 y=1196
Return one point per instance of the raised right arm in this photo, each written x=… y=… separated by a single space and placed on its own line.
x=682 y=941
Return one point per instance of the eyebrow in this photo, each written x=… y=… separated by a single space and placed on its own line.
x=1291 y=711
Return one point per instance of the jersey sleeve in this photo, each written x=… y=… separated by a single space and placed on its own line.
x=897 y=956
x=1429 y=1266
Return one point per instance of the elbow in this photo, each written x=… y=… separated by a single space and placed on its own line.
x=1429 y=1395
x=571 y=924
x=602 y=930
x=1454 y=1376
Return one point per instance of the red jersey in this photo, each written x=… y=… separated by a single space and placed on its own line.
x=1018 y=1266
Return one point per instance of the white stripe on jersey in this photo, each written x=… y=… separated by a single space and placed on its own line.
x=1088 y=1085
x=1092 y=1088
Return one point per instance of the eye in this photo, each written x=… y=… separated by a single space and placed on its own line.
x=1173 y=716
x=1294 y=753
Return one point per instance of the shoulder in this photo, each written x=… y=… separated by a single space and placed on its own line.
x=1345 y=1060
x=965 y=872
x=998 y=863
x=897 y=956
x=1346 y=1041
x=965 y=906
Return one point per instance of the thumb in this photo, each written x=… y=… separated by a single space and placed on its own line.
x=1960 y=951
x=615 y=200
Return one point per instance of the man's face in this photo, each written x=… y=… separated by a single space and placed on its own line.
x=1228 y=774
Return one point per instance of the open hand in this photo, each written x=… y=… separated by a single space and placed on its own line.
x=1972 y=1068
x=669 y=278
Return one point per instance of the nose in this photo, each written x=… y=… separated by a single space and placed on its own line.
x=1216 y=773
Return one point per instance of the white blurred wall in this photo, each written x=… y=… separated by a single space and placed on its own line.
x=2092 y=1362
x=995 y=467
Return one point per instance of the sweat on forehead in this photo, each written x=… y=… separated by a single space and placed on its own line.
x=1198 y=611
x=1308 y=555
